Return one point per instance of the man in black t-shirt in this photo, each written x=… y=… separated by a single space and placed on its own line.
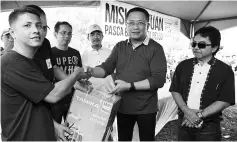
x=67 y=59
x=43 y=58
x=24 y=90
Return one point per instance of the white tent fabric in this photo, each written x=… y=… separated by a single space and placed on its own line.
x=168 y=112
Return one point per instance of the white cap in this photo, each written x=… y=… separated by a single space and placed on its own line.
x=6 y=31
x=93 y=28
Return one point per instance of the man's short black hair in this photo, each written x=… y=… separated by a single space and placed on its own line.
x=57 y=25
x=41 y=11
x=138 y=9
x=19 y=11
x=213 y=34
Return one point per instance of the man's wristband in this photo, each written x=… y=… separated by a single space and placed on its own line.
x=132 y=87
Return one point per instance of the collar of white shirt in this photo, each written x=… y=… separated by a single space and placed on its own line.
x=92 y=49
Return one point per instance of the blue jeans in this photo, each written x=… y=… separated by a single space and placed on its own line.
x=210 y=131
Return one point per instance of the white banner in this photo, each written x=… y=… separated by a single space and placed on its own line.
x=162 y=28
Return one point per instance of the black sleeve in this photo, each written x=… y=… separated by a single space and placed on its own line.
x=158 y=67
x=110 y=63
x=227 y=92
x=48 y=45
x=176 y=81
x=79 y=59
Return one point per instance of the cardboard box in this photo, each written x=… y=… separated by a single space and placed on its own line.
x=91 y=115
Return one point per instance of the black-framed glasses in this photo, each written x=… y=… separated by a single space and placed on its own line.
x=200 y=45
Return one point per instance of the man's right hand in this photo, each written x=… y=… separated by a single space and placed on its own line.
x=89 y=71
x=191 y=116
x=79 y=70
x=80 y=73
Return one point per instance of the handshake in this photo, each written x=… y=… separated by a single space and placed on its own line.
x=84 y=73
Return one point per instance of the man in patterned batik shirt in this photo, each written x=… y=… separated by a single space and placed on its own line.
x=202 y=87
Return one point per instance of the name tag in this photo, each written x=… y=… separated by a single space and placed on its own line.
x=48 y=62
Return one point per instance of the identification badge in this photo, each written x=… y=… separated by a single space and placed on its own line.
x=48 y=62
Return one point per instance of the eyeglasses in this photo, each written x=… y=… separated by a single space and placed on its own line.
x=200 y=45
x=133 y=23
x=65 y=33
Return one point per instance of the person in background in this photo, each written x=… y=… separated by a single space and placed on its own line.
x=141 y=67
x=202 y=87
x=65 y=58
x=96 y=54
x=7 y=40
x=25 y=92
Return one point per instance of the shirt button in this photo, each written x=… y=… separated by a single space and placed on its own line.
x=200 y=73
x=198 y=82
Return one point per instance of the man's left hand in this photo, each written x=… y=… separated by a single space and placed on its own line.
x=187 y=123
x=84 y=86
x=60 y=131
x=120 y=86
x=78 y=86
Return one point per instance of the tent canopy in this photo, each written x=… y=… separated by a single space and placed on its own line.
x=195 y=14
x=222 y=14
x=9 y=5
x=199 y=11
x=192 y=10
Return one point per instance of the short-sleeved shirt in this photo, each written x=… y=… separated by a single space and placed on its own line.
x=44 y=60
x=93 y=58
x=25 y=116
x=66 y=59
x=147 y=61
x=219 y=85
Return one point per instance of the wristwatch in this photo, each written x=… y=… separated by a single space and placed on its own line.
x=132 y=87
x=200 y=115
